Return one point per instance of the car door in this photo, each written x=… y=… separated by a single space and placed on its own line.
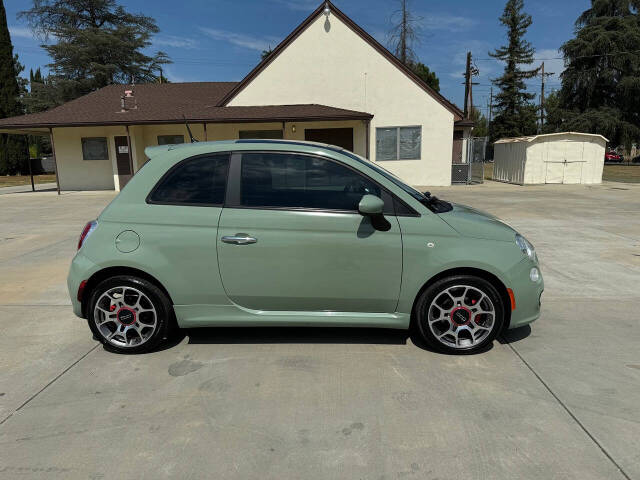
x=290 y=237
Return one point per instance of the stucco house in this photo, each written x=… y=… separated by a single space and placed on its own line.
x=328 y=81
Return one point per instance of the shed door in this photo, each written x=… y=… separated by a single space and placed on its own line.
x=573 y=162
x=564 y=162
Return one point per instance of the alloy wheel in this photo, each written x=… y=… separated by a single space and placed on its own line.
x=461 y=316
x=125 y=317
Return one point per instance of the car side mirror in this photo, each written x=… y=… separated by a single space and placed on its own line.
x=370 y=205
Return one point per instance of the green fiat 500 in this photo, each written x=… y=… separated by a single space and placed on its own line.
x=270 y=232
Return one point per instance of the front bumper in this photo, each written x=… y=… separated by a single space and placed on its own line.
x=527 y=294
x=81 y=269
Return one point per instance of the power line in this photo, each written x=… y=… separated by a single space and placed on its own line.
x=630 y=52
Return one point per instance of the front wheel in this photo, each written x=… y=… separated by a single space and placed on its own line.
x=460 y=314
x=129 y=314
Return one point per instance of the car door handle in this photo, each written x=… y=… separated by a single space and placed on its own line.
x=239 y=239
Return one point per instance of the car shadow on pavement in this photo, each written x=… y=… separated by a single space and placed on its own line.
x=305 y=335
x=515 y=335
x=302 y=335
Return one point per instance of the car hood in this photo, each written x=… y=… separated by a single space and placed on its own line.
x=470 y=222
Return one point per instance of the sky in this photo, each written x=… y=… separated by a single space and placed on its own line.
x=221 y=40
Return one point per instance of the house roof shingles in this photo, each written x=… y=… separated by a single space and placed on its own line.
x=171 y=103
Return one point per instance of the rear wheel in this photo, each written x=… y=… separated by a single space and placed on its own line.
x=460 y=314
x=129 y=314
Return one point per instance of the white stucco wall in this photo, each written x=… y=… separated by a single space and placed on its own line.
x=334 y=66
x=74 y=173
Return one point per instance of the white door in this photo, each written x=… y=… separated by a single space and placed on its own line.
x=573 y=162
x=564 y=162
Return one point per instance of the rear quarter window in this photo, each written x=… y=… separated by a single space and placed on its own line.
x=199 y=181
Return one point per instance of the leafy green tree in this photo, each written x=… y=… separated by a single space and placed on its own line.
x=515 y=113
x=481 y=124
x=426 y=75
x=553 y=115
x=601 y=83
x=95 y=43
x=13 y=148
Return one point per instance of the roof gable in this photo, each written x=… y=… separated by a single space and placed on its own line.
x=458 y=115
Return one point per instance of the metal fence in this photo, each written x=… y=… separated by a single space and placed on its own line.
x=471 y=169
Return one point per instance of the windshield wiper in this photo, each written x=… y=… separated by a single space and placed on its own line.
x=434 y=204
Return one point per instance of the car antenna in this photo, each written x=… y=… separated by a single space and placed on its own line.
x=193 y=140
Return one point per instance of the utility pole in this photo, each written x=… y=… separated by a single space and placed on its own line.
x=468 y=101
x=544 y=75
x=160 y=74
x=469 y=73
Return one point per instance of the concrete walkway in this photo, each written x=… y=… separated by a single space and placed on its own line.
x=27 y=188
x=559 y=400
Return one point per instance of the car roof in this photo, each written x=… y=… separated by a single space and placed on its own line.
x=267 y=144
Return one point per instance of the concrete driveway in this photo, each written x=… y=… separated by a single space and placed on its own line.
x=559 y=400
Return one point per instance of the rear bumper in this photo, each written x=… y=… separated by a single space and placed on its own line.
x=81 y=269
x=527 y=294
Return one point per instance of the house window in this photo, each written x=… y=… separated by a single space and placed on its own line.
x=260 y=134
x=95 y=148
x=398 y=143
x=170 y=139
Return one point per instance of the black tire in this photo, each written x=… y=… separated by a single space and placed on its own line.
x=429 y=294
x=165 y=318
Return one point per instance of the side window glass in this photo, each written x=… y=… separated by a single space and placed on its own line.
x=299 y=181
x=197 y=181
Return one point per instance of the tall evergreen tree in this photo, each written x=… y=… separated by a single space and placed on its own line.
x=515 y=112
x=96 y=43
x=13 y=148
x=601 y=83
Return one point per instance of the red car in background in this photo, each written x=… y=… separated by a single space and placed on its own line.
x=613 y=157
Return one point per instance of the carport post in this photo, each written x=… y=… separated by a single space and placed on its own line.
x=368 y=135
x=55 y=160
x=129 y=149
x=33 y=188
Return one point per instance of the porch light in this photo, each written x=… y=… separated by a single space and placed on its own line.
x=293 y=128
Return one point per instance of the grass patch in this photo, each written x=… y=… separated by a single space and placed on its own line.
x=622 y=173
x=16 y=180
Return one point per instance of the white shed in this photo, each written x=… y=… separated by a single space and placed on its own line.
x=567 y=157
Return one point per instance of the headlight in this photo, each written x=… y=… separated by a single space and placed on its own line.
x=526 y=247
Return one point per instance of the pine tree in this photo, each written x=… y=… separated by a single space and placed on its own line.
x=601 y=83
x=13 y=148
x=96 y=43
x=515 y=113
